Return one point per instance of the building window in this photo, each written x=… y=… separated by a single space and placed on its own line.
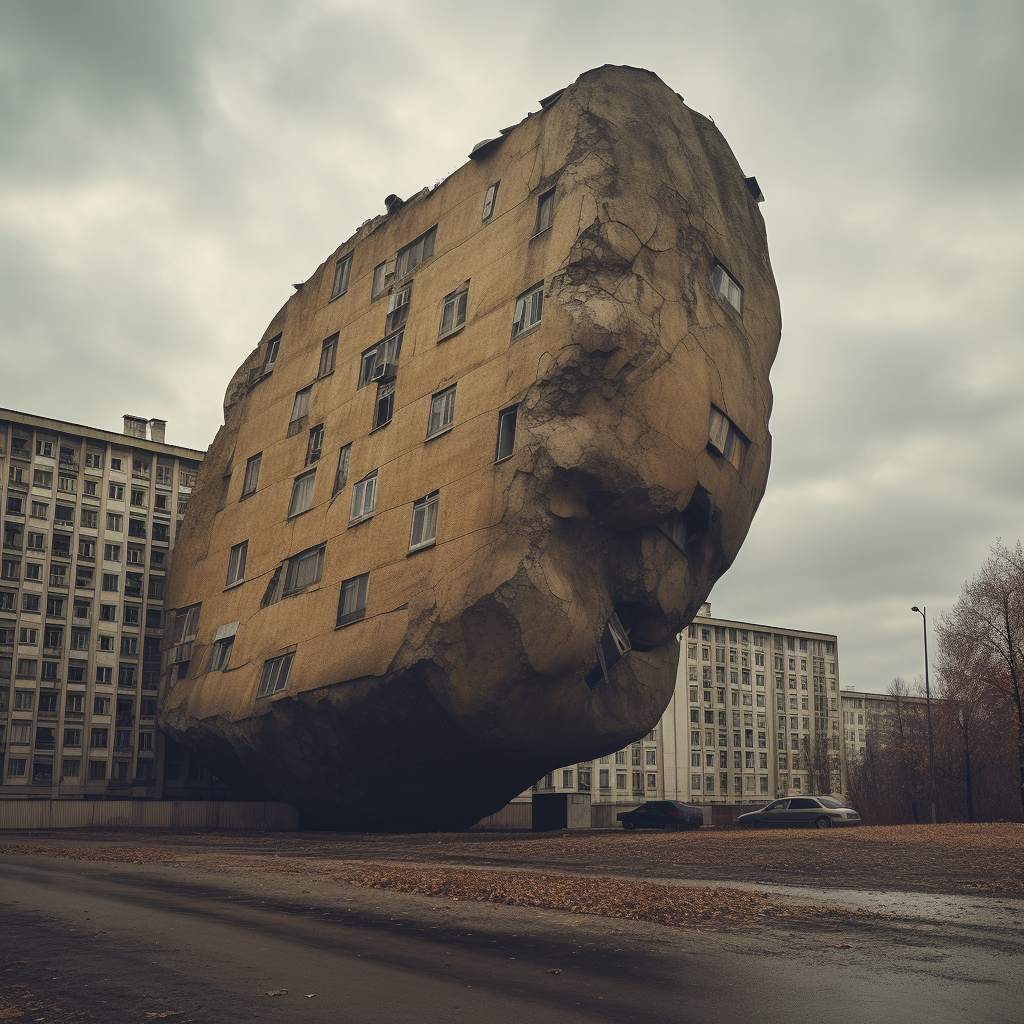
x=415 y=253
x=364 y=495
x=328 y=355
x=44 y=448
x=453 y=315
x=380 y=361
x=489 y=198
x=137 y=528
x=442 y=411
x=545 y=211
x=302 y=493
x=724 y=439
x=341 y=476
x=274 y=677
x=252 y=474
x=269 y=357
x=111 y=552
x=39 y=510
x=236 y=563
x=352 y=600
x=40 y=478
x=529 y=307
x=567 y=778
x=315 y=446
x=728 y=288
x=304 y=569
x=384 y=408
x=342 y=272
x=398 y=309
x=424 y=522
x=300 y=408
x=220 y=655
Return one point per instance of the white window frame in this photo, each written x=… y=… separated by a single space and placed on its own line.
x=529 y=311
x=453 y=312
x=342 y=274
x=236 y=563
x=364 y=498
x=423 y=532
x=274 y=677
x=304 y=570
x=302 y=493
x=728 y=287
x=442 y=412
x=489 y=200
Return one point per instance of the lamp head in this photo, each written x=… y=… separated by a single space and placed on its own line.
x=916 y=609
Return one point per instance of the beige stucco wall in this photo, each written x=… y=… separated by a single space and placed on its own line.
x=614 y=390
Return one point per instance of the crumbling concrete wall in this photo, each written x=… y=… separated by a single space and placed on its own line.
x=483 y=661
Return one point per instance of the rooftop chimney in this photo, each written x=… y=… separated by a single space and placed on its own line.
x=157 y=429
x=134 y=426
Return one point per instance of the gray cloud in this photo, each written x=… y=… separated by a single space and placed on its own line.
x=170 y=169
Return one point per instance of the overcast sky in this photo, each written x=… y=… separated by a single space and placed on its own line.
x=168 y=170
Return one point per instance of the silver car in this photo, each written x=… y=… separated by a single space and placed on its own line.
x=802 y=812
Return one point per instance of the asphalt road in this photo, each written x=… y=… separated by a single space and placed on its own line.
x=102 y=942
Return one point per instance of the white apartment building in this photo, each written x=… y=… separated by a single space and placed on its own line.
x=755 y=715
x=89 y=518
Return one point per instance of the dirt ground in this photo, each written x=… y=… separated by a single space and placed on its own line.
x=610 y=873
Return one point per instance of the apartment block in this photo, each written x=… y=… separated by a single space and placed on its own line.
x=755 y=715
x=89 y=518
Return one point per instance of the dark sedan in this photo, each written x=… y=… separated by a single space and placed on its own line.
x=668 y=815
x=802 y=812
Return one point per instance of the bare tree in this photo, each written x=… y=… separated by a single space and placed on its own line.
x=986 y=629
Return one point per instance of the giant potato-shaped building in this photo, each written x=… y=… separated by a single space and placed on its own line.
x=483 y=466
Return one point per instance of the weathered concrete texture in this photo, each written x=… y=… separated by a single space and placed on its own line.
x=476 y=669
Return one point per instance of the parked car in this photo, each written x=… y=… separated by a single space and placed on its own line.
x=802 y=812
x=668 y=815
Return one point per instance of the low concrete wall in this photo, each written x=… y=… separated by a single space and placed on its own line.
x=519 y=815
x=46 y=814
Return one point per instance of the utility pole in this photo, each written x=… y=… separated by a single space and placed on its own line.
x=928 y=709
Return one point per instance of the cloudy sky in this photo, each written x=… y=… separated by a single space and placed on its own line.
x=169 y=169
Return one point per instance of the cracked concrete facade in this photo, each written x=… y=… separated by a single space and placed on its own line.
x=482 y=661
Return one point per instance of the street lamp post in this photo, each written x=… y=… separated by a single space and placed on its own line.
x=928 y=709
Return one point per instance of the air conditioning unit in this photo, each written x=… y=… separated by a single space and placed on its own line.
x=384 y=371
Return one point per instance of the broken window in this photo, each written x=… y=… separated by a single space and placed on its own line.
x=341 y=476
x=614 y=644
x=384 y=408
